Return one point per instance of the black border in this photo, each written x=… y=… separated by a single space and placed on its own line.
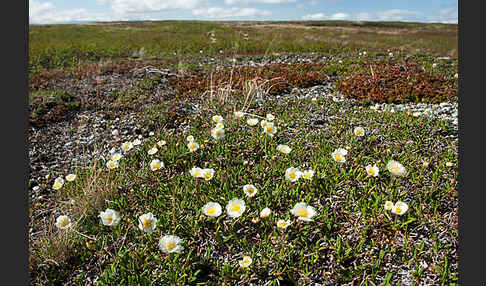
x=15 y=158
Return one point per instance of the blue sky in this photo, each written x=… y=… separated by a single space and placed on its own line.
x=72 y=11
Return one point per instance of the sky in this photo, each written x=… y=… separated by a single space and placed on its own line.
x=75 y=11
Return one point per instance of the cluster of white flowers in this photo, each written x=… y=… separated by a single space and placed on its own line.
x=59 y=181
x=197 y=172
x=398 y=208
x=235 y=207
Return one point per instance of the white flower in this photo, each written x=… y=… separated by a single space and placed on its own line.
x=456 y=75
x=359 y=131
x=161 y=143
x=390 y=54
x=190 y=138
x=341 y=151
x=235 y=207
x=449 y=164
x=283 y=223
x=70 y=177
x=252 y=121
x=303 y=211
x=284 y=148
x=265 y=212
x=239 y=114
x=270 y=129
x=152 y=150
x=308 y=174
x=263 y=123
x=171 y=244
x=245 y=262
x=196 y=172
x=217 y=133
x=63 y=222
x=116 y=156
x=112 y=164
x=156 y=164
x=136 y=142
x=250 y=190
x=151 y=133
x=338 y=156
x=147 y=222
x=218 y=118
x=396 y=168
x=58 y=183
x=212 y=209
x=399 y=208
x=219 y=125
x=388 y=205
x=127 y=146
x=193 y=146
x=207 y=174
x=110 y=217
x=292 y=174
x=372 y=170
x=270 y=117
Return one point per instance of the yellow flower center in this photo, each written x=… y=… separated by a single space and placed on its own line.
x=236 y=207
x=303 y=212
x=371 y=171
x=197 y=174
x=192 y=146
x=217 y=133
x=171 y=245
x=211 y=210
x=147 y=223
x=57 y=186
x=282 y=224
x=156 y=166
x=358 y=132
x=292 y=175
x=63 y=223
x=308 y=175
x=395 y=168
x=112 y=165
x=250 y=191
x=398 y=210
x=207 y=175
x=269 y=129
x=339 y=157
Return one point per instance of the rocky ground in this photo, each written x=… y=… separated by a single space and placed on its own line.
x=59 y=147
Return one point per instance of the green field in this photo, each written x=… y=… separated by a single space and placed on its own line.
x=352 y=240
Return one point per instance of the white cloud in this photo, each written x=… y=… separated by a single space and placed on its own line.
x=321 y=16
x=232 y=2
x=149 y=6
x=339 y=16
x=398 y=15
x=37 y=8
x=45 y=12
x=219 y=12
x=313 y=16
